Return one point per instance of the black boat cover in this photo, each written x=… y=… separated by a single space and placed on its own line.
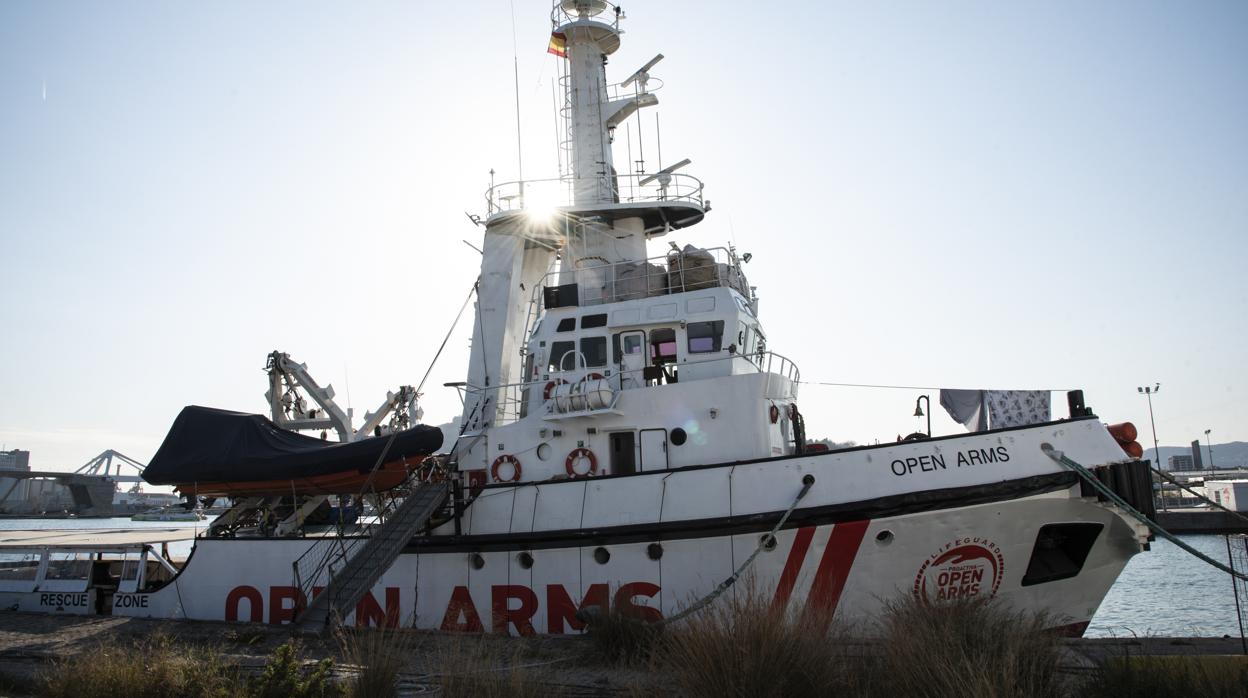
x=210 y=445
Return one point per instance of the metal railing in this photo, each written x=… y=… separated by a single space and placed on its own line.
x=675 y=272
x=547 y=194
x=565 y=11
x=509 y=400
x=328 y=554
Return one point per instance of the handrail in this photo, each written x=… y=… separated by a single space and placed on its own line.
x=618 y=188
x=316 y=566
x=509 y=397
x=651 y=277
x=560 y=16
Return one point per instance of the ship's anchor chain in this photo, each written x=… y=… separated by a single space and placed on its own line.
x=808 y=481
x=1113 y=497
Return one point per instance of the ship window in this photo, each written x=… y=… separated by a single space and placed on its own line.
x=1060 y=551
x=19 y=567
x=595 y=351
x=558 y=350
x=705 y=337
x=662 y=346
x=591 y=321
x=68 y=566
x=566 y=325
x=130 y=566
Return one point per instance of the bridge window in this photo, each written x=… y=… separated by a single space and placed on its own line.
x=594 y=350
x=705 y=337
x=591 y=321
x=558 y=350
x=566 y=325
x=663 y=346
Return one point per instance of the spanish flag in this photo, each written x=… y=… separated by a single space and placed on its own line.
x=558 y=45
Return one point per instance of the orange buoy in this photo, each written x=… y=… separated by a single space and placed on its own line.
x=1124 y=433
x=577 y=456
x=506 y=459
x=1133 y=449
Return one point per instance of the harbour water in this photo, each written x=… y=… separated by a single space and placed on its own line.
x=1169 y=593
x=1164 y=592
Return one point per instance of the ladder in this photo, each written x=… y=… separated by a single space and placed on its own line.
x=359 y=567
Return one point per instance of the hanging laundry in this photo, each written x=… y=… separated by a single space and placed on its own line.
x=1015 y=408
x=966 y=407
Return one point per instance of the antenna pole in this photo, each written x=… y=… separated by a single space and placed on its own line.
x=658 y=139
x=515 y=65
x=628 y=134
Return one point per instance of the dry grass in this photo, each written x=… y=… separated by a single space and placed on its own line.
x=284 y=676
x=379 y=654
x=1166 y=677
x=619 y=638
x=740 y=646
x=967 y=648
x=488 y=667
x=152 y=668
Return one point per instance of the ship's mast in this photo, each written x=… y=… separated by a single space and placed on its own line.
x=589 y=41
x=602 y=219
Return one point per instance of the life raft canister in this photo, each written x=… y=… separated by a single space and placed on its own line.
x=550 y=387
x=500 y=462
x=576 y=455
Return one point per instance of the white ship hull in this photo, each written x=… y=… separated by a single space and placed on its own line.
x=530 y=555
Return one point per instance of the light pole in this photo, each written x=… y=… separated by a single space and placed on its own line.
x=1209 y=446
x=918 y=412
x=1148 y=392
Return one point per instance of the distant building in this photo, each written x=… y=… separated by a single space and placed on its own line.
x=14 y=489
x=1232 y=494
x=1196 y=460
x=1181 y=463
x=15 y=460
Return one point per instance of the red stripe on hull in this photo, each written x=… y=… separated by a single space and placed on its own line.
x=838 y=558
x=788 y=578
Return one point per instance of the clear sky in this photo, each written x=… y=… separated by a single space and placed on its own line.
x=962 y=194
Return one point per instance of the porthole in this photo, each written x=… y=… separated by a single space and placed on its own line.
x=477 y=561
x=768 y=542
x=884 y=537
x=679 y=436
x=654 y=551
x=543 y=451
x=525 y=559
x=602 y=556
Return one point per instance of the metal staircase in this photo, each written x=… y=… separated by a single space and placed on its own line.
x=348 y=568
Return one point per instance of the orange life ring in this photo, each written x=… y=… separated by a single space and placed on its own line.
x=577 y=454
x=774 y=413
x=551 y=386
x=503 y=460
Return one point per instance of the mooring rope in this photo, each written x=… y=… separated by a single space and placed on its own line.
x=808 y=481
x=1167 y=477
x=1113 y=497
